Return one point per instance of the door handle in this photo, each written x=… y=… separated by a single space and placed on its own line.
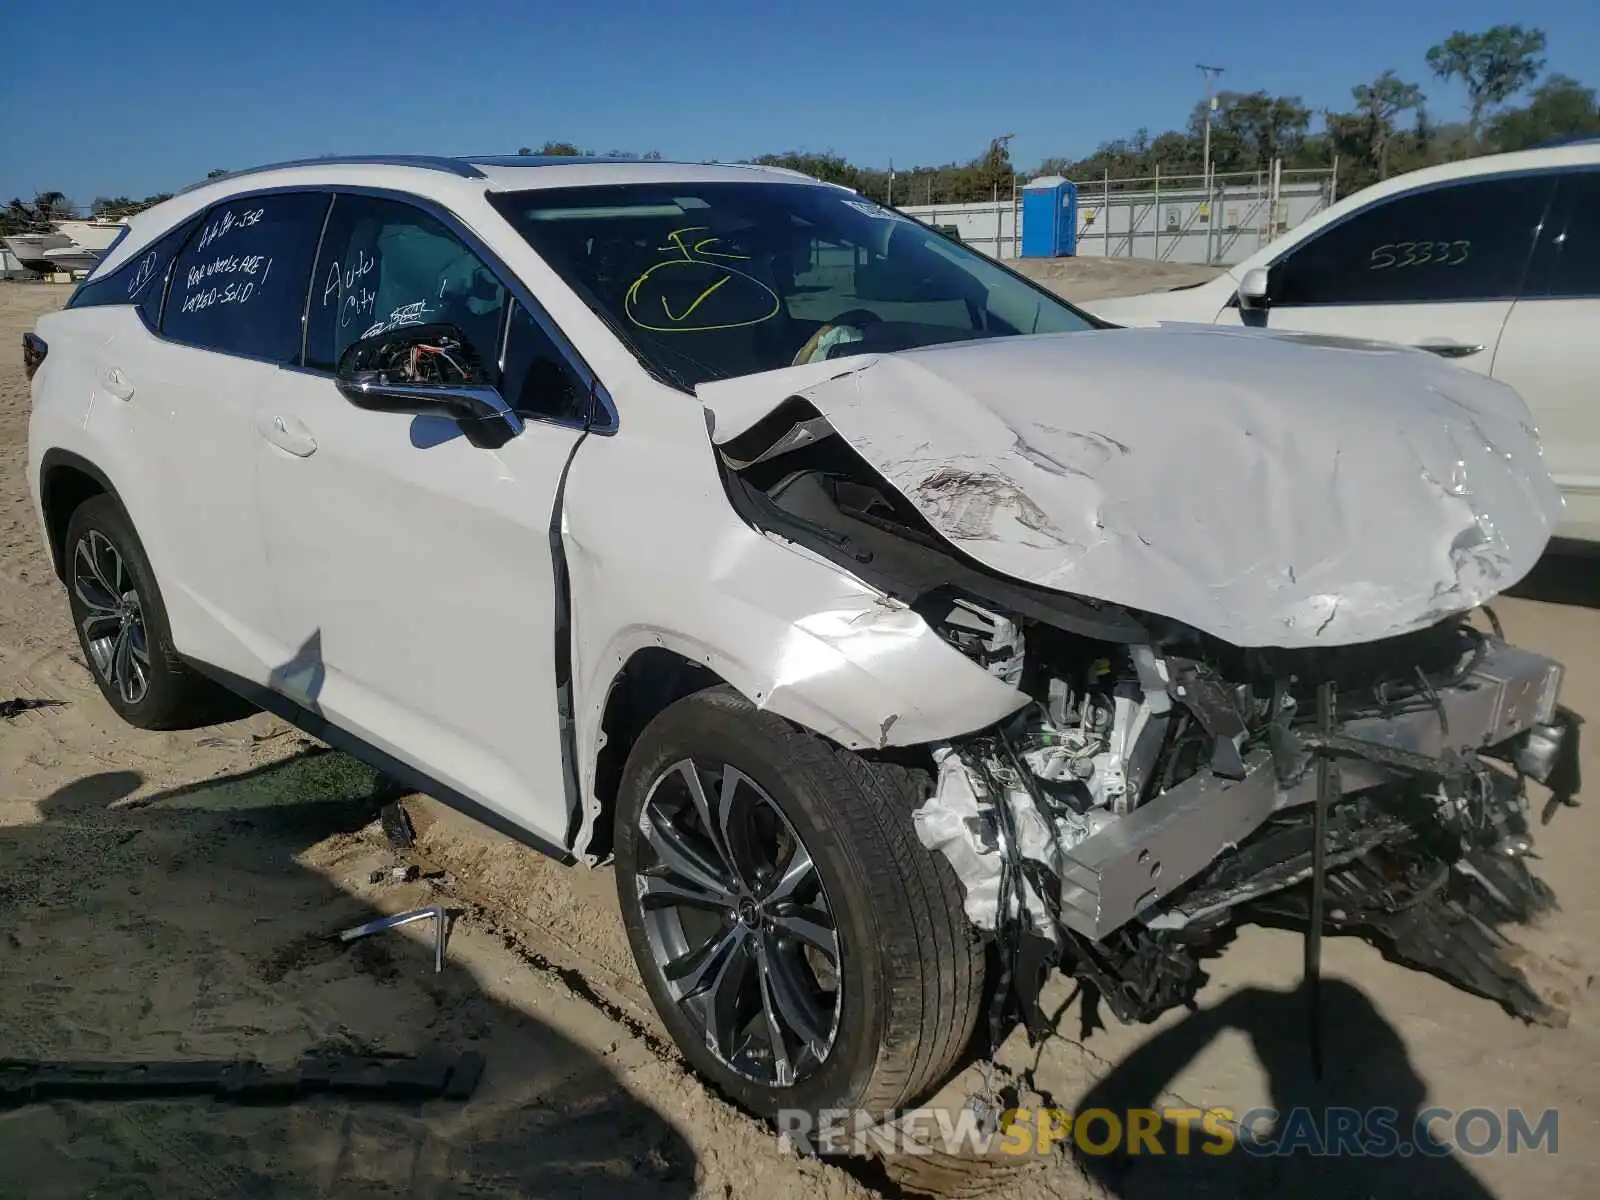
x=287 y=433
x=1450 y=349
x=117 y=384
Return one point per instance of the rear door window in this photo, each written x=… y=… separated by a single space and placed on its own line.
x=239 y=287
x=386 y=264
x=1465 y=241
x=141 y=281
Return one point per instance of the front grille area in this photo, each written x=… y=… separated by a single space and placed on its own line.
x=1388 y=672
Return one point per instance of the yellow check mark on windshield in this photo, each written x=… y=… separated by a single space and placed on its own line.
x=699 y=300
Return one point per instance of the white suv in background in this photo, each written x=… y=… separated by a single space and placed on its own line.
x=1493 y=263
x=875 y=611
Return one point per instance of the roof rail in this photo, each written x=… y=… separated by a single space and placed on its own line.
x=551 y=160
x=428 y=162
x=560 y=160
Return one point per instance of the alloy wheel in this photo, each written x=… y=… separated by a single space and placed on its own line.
x=738 y=922
x=113 y=623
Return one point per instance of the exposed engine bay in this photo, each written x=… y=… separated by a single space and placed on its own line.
x=1161 y=785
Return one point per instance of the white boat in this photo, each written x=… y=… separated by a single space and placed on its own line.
x=73 y=258
x=91 y=235
x=29 y=249
x=71 y=246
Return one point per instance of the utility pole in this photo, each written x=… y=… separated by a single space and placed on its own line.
x=1001 y=143
x=1211 y=107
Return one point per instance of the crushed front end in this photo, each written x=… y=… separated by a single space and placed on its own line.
x=1155 y=795
x=1320 y=730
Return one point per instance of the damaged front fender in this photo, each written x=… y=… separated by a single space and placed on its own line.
x=797 y=638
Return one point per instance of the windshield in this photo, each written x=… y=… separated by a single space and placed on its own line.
x=715 y=280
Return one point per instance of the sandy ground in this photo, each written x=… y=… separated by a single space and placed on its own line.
x=171 y=896
x=1085 y=279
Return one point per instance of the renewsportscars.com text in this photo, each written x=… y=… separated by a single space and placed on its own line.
x=1260 y=1132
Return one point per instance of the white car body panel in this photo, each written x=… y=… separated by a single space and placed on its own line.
x=1464 y=324
x=170 y=436
x=1550 y=352
x=1544 y=348
x=412 y=586
x=1237 y=482
x=791 y=631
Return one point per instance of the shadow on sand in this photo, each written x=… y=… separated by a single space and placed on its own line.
x=1367 y=1069
x=195 y=925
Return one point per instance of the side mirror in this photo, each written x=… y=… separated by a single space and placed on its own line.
x=1253 y=288
x=427 y=369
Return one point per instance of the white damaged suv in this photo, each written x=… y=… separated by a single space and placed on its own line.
x=886 y=620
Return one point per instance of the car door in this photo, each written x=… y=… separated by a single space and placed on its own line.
x=231 y=316
x=1437 y=268
x=412 y=571
x=1550 y=350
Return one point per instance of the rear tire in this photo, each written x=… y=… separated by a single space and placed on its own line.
x=907 y=969
x=122 y=626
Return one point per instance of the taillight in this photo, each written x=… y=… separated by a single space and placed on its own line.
x=33 y=352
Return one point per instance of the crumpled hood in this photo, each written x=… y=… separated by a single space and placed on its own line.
x=1270 y=489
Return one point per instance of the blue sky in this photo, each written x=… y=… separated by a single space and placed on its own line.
x=104 y=98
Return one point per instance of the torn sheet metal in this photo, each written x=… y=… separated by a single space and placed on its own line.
x=959 y=821
x=1269 y=489
x=1113 y=869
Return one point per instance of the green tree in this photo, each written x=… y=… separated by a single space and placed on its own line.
x=826 y=166
x=38 y=217
x=985 y=177
x=1560 y=107
x=120 y=206
x=1254 y=129
x=216 y=173
x=1494 y=65
x=50 y=207
x=1378 y=103
x=16 y=217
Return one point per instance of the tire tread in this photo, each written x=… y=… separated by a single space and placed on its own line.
x=180 y=697
x=933 y=962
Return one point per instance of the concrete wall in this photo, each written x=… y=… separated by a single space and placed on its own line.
x=1139 y=222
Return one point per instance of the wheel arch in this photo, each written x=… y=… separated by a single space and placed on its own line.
x=874 y=678
x=650 y=679
x=66 y=480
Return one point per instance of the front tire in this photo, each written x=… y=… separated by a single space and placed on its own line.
x=122 y=625
x=802 y=948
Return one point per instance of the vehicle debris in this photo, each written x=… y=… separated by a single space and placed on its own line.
x=442 y=919
x=398 y=874
x=397 y=826
x=20 y=705
x=435 y=1073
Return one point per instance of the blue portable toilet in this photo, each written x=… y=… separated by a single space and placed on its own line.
x=1049 y=218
